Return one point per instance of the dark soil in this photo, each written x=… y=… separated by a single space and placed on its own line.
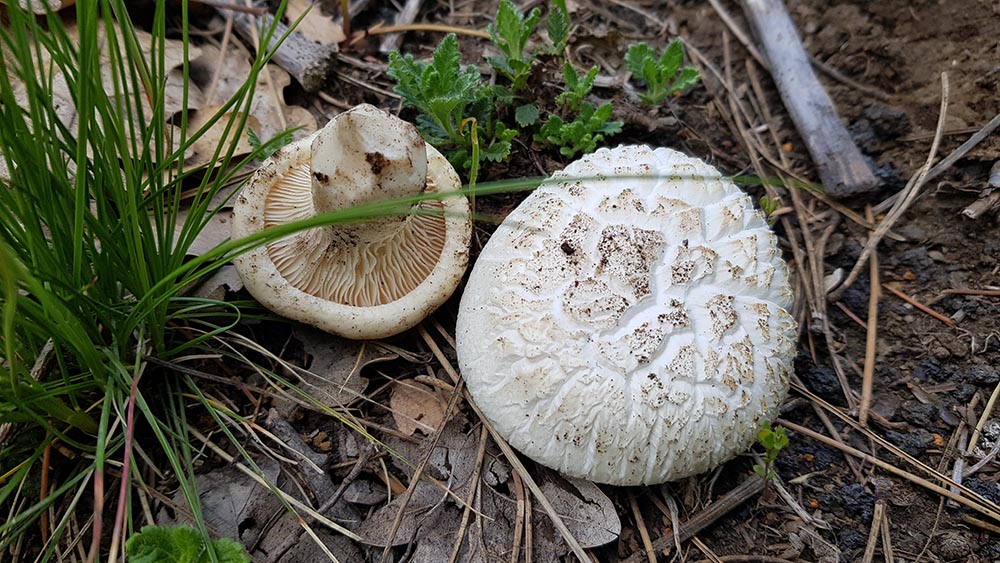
x=931 y=379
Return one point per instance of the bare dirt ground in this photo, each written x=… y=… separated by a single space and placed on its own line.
x=932 y=376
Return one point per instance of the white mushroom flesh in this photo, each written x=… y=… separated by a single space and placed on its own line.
x=630 y=326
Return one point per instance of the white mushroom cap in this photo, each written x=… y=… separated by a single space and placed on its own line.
x=629 y=330
x=363 y=280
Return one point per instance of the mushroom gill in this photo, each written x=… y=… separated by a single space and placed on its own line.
x=361 y=265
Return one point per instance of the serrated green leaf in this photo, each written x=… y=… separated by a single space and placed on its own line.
x=447 y=58
x=496 y=152
x=658 y=71
x=671 y=59
x=636 y=57
x=557 y=26
x=526 y=115
x=501 y=94
x=510 y=33
x=603 y=113
x=688 y=77
x=500 y=64
x=162 y=544
x=578 y=87
x=570 y=78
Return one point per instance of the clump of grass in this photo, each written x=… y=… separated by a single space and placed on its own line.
x=92 y=269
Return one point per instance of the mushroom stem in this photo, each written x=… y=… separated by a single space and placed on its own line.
x=366 y=155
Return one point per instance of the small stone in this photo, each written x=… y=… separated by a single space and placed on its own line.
x=918 y=414
x=914 y=442
x=982 y=375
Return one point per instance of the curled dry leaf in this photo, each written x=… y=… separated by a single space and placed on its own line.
x=40 y=7
x=232 y=503
x=215 y=286
x=416 y=406
x=431 y=518
x=202 y=151
x=238 y=507
x=62 y=100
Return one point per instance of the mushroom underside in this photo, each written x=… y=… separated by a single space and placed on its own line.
x=374 y=263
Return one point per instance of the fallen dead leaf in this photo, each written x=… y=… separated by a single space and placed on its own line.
x=416 y=406
x=589 y=514
x=202 y=151
x=62 y=101
x=316 y=24
x=332 y=369
x=40 y=7
x=235 y=506
x=267 y=106
x=215 y=286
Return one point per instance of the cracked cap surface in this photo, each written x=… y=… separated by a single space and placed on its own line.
x=631 y=326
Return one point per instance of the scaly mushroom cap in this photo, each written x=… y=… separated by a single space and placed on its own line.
x=363 y=280
x=629 y=326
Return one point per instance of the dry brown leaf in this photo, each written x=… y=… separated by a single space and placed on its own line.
x=423 y=511
x=240 y=508
x=216 y=286
x=173 y=57
x=316 y=24
x=268 y=104
x=416 y=406
x=40 y=7
x=333 y=367
x=62 y=101
x=201 y=151
x=588 y=513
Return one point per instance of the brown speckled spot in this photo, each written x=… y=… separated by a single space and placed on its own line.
x=629 y=254
x=722 y=313
x=377 y=161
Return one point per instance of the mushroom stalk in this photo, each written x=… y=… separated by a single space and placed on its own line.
x=358 y=159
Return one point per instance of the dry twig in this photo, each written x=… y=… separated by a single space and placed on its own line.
x=641 y=525
x=871 y=339
x=746 y=490
x=946 y=320
x=841 y=166
x=307 y=61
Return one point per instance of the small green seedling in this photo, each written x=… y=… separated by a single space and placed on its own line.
x=590 y=126
x=659 y=71
x=510 y=33
x=165 y=544
x=769 y=205
x=446 y=95
x=267 y=149
x=773 y=440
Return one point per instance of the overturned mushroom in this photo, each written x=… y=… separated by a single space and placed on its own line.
x=629 y=324
x=363 y=280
